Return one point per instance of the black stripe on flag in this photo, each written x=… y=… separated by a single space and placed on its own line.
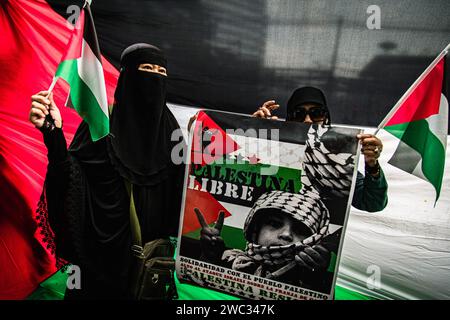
x=405 y=158
x=292 y=132
x=90 y=35
x=69 y=103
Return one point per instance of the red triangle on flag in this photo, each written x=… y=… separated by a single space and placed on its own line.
x=424 y=100
x=210 y=141
x=207 y=205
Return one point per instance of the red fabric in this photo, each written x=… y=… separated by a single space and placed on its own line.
x=424 y=101
x=33 y=39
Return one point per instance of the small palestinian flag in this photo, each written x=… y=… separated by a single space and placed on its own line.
x=420 y=122
x=81 y=67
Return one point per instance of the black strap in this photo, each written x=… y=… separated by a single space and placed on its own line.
x=134 y=220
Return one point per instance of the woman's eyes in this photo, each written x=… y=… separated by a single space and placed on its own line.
x=147 y=67
x=153 y=68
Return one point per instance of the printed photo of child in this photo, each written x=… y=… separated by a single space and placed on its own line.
x=286 y=238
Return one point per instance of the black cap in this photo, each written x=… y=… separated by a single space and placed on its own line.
x=306 y=95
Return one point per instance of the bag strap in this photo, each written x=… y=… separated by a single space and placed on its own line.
x=134 y=222
x=138 y=250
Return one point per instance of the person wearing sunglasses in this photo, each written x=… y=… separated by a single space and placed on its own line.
x=308 y=105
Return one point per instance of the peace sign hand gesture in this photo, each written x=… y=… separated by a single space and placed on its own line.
x=212 y=243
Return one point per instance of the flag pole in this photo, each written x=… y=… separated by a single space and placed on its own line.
x=52 y=85
x=49 y=122
x=55 y=79
x=413 y=86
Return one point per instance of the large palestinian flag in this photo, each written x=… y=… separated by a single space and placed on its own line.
x=34 y=39
x=420 y=122
x=240 y=165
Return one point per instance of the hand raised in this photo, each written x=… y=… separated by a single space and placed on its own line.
x=211 y=241
x=265 y=111
x=42 y=104
x=371 y=148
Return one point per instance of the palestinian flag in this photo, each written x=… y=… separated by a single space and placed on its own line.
x=420 y=122
x=81 y=67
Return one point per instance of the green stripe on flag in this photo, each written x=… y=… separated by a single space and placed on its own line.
x=234 y=237
x=418 y=136
x=397 y=130
x=84 y=100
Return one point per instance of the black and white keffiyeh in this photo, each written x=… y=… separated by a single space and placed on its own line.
x=305 y=207
x=328 y=162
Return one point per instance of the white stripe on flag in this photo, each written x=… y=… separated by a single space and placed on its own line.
x=90 y=71
x=238 y=214
x=277 y=153
x=438 y=123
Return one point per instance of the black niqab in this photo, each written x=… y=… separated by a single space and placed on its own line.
x=87 y=183
x=141 y=124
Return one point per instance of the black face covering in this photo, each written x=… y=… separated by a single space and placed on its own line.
x=141 y=124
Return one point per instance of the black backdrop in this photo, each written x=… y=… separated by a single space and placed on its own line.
x=235 y=54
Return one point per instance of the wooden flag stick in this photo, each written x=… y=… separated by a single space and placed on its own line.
x=52 y=85
x=49 y=122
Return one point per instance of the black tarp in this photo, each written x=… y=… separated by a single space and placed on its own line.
x=233 y=54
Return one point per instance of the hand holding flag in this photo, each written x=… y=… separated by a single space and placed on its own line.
x=44 y=111
x=81 y=68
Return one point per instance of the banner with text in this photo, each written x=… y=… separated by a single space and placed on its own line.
x=265 y=206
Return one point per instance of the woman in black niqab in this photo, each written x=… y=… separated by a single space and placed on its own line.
x=141 y=123
x=87 y=199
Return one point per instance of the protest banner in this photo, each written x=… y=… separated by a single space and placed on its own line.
x=261 y=199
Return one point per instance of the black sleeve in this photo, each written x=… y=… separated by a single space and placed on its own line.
x=58 y=176
x=178 y=189
x=370 y=193
x=177 y=199
x=56 y=146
